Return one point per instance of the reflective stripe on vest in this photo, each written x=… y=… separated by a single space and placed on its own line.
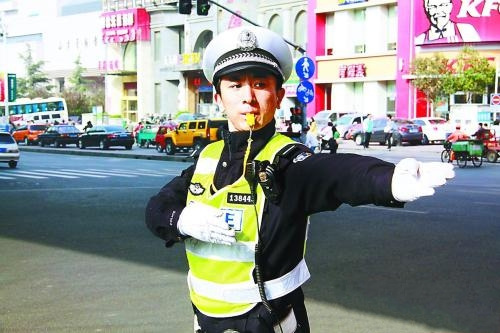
x=217 y=269
x=248 y=292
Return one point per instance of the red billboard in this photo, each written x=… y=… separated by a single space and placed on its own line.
x=126 y=25
x=456 y=21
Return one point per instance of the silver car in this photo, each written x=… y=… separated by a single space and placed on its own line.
x=9 y=151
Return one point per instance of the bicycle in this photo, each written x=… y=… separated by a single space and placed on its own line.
x=446 y=154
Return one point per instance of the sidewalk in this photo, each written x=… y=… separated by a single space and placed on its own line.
x=345 y=146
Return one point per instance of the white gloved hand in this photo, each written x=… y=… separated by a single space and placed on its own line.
x=413 y=179
x=205 y=223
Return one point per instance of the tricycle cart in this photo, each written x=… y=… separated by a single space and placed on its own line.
x=491 y=147
x=468 y=150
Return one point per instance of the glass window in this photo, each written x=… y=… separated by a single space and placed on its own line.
x=183 y=126
x=392 y=27
x=192 y=125
x=391 y=97
x=201 y=125
x=157 y=45
x=276 y=24
x=300 y=31
x=359 y=31
x=157 y=97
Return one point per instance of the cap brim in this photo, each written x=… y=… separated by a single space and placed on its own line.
x=247 y=66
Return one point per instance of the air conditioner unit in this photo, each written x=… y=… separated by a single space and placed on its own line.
x=359 y=48
x=329 y=51
x=391 y=46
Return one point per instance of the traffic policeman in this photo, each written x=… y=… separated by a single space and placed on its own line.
x=242 y=209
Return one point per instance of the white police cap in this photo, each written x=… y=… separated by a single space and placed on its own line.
x=247 y=47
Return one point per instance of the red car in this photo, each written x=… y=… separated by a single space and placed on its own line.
x=28 y=133
x=160 y=136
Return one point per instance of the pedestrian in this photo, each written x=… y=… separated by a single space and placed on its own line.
x=367 y=129
x=333 y=143
x=311 y=140
x=388 y=129
x=242 y=208
x=88 y=126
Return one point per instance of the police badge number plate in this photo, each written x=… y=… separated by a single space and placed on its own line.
x=240 y=198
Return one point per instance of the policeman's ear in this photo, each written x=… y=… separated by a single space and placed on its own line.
x=280 y=96
x=218 y=100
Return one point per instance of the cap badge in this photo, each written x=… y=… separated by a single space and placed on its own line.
x=247 y=41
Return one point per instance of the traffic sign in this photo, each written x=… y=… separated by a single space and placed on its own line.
x=305 y=92
x=305 y=68
x=495 y=99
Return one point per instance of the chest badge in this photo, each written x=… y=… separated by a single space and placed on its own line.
x=196 y=189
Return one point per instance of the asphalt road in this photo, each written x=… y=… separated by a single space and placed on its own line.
x=76 y=256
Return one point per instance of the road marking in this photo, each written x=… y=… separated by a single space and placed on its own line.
x=106 y=172
x=56 y=174
x=147 y=173
x=81 y=173
x=3 y=177
x=26 y=174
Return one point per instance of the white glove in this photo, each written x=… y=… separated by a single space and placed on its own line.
x=205 y=223
x=413 y=179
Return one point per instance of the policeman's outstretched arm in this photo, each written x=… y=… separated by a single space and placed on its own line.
x=205 y=223
x=413 y=179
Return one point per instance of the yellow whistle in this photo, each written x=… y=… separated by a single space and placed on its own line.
x=250 y=118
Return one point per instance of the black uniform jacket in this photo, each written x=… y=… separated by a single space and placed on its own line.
x=316 y=183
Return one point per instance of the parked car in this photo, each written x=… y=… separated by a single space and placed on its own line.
x=146 y=136
x=29 y=133
x=105 y=136
x=405 y=132
x=346 y=121
x=323 y=117
x=193 y=134
x=434 y=129
x=59 y=135
x=160 y=136
x=9 y=151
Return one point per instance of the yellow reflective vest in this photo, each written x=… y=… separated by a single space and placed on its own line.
x=220 y=276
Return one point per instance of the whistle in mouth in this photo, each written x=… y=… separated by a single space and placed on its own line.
x=250 y=118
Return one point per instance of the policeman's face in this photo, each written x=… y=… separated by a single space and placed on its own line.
x=439 y=12
x=245 y=92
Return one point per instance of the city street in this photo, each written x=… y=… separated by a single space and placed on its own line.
x=77 y=256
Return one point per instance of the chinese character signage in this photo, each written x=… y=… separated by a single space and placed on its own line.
x=455 y=21
x=352 y=71
x=126 y=25
x=348 y=2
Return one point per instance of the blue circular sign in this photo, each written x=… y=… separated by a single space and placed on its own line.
x=305 y=68
x=305 y=92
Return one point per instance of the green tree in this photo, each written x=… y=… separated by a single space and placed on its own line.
x=35 y=84
x=430 y=76
x=471 y=73
x=82 y=94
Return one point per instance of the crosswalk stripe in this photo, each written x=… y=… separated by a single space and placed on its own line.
x=84 y=173
x=70 y=174
x=149 y=173
x=56 y=174
x=2 y=177
x=26 y=174
x=106 y=172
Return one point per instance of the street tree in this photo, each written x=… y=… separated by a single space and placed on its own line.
x=429 y=77
x=81 y=94
x=470 y=73
x=35 y=84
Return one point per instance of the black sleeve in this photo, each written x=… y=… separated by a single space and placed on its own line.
x=163 y=209
x=323 y=182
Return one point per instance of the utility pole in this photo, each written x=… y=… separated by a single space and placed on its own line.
x=3 y=32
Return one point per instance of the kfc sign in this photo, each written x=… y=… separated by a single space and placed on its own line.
x=456 y=21
x=126 y=25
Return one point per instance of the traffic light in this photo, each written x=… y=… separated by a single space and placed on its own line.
x=185 y=6
x=202 y=7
